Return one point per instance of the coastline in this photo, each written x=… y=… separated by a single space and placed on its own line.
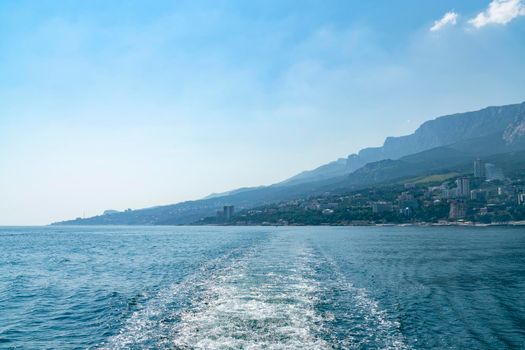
x=415 y=224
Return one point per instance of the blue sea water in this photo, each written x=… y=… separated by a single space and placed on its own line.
x=262 y=288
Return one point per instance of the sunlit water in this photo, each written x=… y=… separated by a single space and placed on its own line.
x=262 y=288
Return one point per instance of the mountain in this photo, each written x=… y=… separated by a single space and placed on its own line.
x=442 y=131
x=442 y=145
x=229 y=193
x=447 y=130
x=457 y=156
x=333 y=169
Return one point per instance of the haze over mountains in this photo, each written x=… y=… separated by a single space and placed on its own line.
x=448 y=143
x=505 y=121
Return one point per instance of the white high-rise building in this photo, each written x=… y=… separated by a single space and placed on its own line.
x=479 y=169
x=492 y=172
x=463 y=187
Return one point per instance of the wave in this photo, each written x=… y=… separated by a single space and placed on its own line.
x=265 y=296
x=359 y=320
x=270 y=305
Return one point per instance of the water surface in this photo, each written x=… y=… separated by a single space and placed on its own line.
x=262 y=287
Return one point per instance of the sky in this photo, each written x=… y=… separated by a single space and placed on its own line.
x=131 y=104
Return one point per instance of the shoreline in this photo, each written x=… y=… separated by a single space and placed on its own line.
x=415 y=224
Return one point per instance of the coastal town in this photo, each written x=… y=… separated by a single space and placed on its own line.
x=486 y=196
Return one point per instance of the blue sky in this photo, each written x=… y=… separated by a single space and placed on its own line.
x=117 y=104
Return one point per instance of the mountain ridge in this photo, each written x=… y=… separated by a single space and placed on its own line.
x=465 y=125
x=481 y=133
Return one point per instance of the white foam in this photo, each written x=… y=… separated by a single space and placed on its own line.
x=237 y=312
x=264 y=297
x=148 y=324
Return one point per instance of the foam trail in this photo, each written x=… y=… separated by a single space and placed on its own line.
x=266 y=296
x=268 y=305
x=152 y=323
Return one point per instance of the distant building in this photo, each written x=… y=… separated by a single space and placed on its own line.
x=463 y=187
x=492 y=172
x=407 y=200
x=479 y=168
x=503 y=191
x=447 y=193
x=332 y=205
x=406 y=211
x=328 y=211
x=313 y=206
x=410 y=185
x=228 y=212
x=458 y=210
x=110 y=212
x=478 y=195
x=521 y=198
x=382 y=207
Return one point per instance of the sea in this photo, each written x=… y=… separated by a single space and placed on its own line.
x=205 y=287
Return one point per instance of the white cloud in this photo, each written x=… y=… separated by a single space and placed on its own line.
x=499 y=12
x=450 y=18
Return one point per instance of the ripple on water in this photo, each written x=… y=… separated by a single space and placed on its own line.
x=241 y=300
x=282 y=288
x=243 y=309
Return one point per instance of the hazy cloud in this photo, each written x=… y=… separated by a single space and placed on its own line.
x=499 y=12
x=450 y=18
